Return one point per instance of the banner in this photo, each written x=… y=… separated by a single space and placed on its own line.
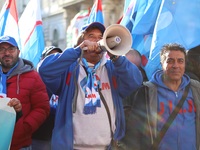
x=7 y=123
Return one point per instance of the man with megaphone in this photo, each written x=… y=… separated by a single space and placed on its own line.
x=90 y=87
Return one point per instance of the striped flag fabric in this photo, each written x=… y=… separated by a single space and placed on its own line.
x=139 y=17
x=9 y=20
x=129 y=14
x=96 y=14
x=126 y=5
x=144 y=24
x=31 y=32
x=137 y=20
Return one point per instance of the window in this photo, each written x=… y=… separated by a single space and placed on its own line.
x=55 y=38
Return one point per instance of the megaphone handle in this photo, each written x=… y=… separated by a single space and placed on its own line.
x=86 y=48
x=101 y=48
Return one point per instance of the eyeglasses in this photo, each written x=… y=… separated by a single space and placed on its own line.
x=9 y=49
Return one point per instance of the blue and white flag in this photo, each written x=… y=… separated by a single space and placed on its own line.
x=9 y=20
x=31 y=32
x=140 y=17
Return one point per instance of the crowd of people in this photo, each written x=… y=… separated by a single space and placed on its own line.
x=75 y=99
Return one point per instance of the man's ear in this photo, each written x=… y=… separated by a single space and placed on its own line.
x=18 y=51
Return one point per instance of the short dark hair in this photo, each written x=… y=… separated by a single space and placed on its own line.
x=171 y=47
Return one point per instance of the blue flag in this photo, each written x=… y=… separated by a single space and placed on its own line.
x=177 y=21
x=142 y=31
x=146 y=15
x=31 y=32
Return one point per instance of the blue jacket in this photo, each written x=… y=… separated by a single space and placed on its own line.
x=146 y=118
x=60 y=71
x=183 y=125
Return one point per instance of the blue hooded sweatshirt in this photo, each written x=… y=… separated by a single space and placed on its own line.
x=59 y=72
x=181 y=135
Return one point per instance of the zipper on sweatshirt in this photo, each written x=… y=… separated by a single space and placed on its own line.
x=176 y=93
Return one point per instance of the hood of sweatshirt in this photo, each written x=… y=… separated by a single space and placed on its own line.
x=157 y=80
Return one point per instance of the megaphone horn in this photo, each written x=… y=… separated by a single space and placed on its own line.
x=116 y=39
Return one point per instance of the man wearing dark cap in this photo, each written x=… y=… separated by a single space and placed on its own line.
x=22 y=82
x=50 y=50
x=90 y=89
x=41 y=139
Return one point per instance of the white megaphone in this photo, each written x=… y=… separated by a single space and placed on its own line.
x=116 y=39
